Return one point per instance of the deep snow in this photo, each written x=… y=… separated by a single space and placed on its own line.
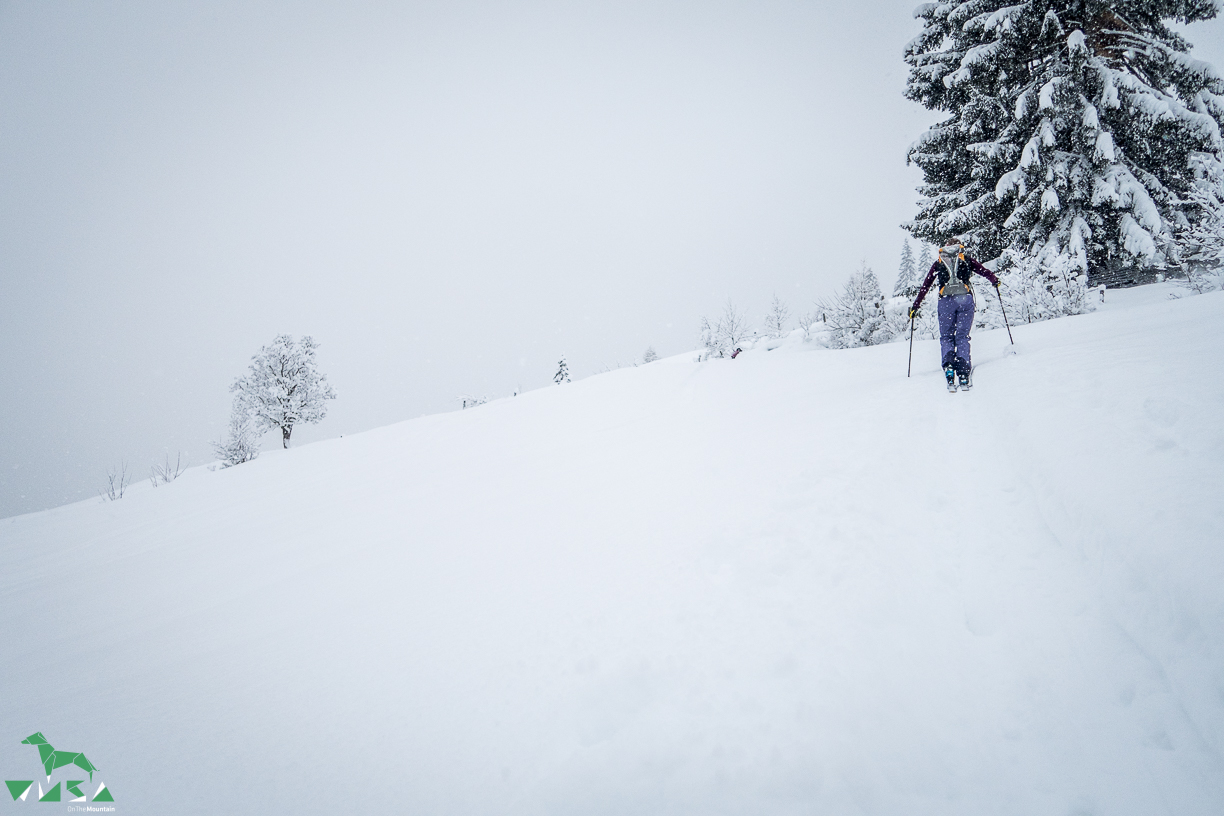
x=796 y=582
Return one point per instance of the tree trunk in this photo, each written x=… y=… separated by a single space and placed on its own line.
x=285 y=431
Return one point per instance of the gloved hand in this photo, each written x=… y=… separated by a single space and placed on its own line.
x=913 y=313
x=997 y=283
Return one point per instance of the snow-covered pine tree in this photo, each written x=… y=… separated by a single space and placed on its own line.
x=925 y=259
x=1076 y=130
x=649 y=356
x=241 y=442
x=562 y=375
x=906 y=286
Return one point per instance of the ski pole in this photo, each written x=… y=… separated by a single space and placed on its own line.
x=1005 y=323
x=910 y=364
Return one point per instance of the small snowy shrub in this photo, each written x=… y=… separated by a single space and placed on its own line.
x=117 y=482
x=241 y=442
x=1200 y=281
x=649 y=356
x=806 y=322
x=165 y=474
x=1204 y=242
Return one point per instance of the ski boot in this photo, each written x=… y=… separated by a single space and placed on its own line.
x=965 y=384
x=950 y=374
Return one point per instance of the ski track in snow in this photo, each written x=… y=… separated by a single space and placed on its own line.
x=796 y=582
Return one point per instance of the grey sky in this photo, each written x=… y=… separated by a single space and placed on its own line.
x=448 y=196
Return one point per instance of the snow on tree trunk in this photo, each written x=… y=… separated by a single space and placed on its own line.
x=1077 y=131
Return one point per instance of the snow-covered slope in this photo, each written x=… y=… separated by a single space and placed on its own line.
x=796 y=582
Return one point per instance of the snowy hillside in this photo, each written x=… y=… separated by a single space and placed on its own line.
x=796 y=582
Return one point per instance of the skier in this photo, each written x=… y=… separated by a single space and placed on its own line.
x=956 y=308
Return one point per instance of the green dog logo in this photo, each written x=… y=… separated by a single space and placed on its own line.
x=52 y=759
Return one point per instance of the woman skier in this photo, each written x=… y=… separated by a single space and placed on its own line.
x=955 y=308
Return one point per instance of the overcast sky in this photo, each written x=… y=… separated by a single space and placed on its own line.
x=448 y=196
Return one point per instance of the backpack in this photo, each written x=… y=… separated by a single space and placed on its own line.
x=954 y=272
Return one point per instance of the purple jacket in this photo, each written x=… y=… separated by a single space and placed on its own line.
x=930 y=278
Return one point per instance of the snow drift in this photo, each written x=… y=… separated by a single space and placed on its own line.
x=795 y=582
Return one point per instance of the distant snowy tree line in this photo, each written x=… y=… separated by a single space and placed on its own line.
x=857 y=315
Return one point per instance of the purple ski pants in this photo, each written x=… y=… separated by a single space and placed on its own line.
x=955 y=321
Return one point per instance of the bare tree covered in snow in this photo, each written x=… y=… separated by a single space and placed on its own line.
x=724 y=335
x=856 y=316
x=776 y=320
x=733 y=326
x=283 y=387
